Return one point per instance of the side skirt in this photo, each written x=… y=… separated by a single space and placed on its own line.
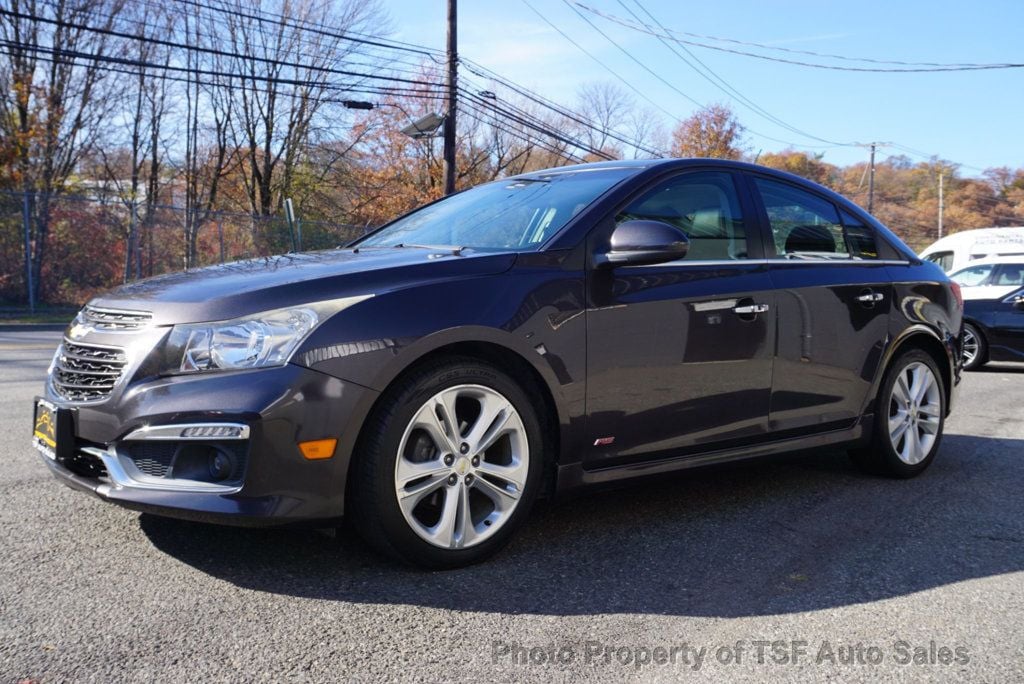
x=573 y=477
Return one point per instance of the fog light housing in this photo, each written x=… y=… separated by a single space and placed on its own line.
x=205 y=462
x=221 y=465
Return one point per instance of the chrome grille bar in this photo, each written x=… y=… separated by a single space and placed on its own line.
x=84 y=372
x=108 y=320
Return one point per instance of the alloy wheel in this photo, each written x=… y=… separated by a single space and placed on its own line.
x=462 y=465
x=915 y=407
x=970 y=347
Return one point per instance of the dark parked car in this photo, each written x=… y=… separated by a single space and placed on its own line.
x=555 y=330
x=993 y=328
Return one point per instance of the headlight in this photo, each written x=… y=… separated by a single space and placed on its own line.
x=257 y=341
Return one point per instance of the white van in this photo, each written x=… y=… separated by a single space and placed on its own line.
x=957 y=250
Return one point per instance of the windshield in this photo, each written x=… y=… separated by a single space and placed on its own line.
x=515 y=213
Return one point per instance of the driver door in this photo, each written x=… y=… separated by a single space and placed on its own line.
x=680 y=354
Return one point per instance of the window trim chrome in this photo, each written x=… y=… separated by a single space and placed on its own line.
x=779 y=260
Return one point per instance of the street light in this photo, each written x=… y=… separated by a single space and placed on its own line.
x=423 y=127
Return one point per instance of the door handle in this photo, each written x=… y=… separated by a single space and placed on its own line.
x=870 y=297
x=747 y=309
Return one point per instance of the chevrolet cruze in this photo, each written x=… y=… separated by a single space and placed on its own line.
x=556 y=330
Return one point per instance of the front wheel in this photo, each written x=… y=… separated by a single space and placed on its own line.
x=909 y=418
x=448 y=465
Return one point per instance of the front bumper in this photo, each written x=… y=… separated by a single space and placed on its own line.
x=277 y=485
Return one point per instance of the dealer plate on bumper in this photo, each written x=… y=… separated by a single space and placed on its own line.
x=51 y=428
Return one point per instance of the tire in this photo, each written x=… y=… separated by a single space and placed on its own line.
x=975 y=348
x=900 y=422
x=406 y=452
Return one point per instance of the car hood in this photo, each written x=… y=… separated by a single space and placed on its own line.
x=245 y=287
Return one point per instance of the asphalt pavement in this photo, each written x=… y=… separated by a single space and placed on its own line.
x=791 y=569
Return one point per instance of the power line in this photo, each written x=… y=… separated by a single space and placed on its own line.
x=207 y=50
x=671 y=36
x=51 y=54
x=810 y=53
x=539 y=127
x=216 y=19
x=663 y=80
x=556 y=108
x=235 y=55
x=602 y=64
x=717 y=80
x=480 y=115
x=352 y=36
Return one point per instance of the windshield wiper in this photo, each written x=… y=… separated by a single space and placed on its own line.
x=456 y=250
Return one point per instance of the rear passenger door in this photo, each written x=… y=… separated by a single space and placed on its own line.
x=833 y=295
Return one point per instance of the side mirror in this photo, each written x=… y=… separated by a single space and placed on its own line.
x=1018 y=301
x=641 y=243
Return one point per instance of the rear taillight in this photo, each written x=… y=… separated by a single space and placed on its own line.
x=955 y=286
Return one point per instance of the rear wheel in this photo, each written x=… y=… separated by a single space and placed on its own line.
x=448 y=466
x=975 y=347
x=909 y=418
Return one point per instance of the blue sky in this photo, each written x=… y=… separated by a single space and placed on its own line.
x=972 y=118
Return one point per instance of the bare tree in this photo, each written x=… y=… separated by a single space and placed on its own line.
x=610 y=109
x=288 y=76
x=52 y=102
x=207 y=124
x=646 y=130
x=134 y=167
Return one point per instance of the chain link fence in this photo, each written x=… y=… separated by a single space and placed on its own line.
x=93 y=244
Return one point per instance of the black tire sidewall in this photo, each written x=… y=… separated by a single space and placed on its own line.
x=890 y=461
x=402 y=406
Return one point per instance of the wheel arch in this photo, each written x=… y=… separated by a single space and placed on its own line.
x=554 y=421
x=925 y=339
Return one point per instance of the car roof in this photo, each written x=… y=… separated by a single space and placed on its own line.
x=638 y=166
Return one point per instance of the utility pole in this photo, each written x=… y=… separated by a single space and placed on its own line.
x=449 y=119
x=871 y=182
x=941 y=205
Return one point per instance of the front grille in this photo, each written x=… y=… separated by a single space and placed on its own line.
x=107 y=320
x=83 y=372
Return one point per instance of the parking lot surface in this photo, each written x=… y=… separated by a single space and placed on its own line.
x=789 y=569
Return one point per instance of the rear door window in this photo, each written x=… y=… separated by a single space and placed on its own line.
x=803 y=225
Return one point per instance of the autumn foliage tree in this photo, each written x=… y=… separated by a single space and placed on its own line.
x=711 y=132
